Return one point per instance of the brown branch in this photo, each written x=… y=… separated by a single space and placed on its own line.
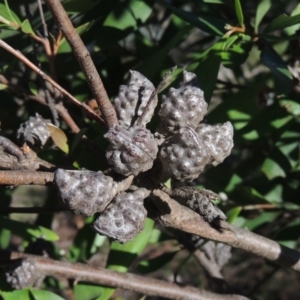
x=27 y=62
x=172 y=214
x=14 y=158
x=85 y=61
x=140 y=284
x=26 y=178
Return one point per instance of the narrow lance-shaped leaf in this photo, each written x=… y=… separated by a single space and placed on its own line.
x=262 y=8
x=283 y=79
x=282 y=22
x=210 y=25
x=239 y=12
x=58 y=137
x=11 y=15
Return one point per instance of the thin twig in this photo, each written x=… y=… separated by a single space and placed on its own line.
x=48 y=49
x=85 y=61
x=26 y=61
x=26 y=178
x=63 y=113
x=46 y=35
x=140 y=284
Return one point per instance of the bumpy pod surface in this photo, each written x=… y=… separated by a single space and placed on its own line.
x=131 y=150
x=124 y=218
x=34 y=131
x=203 y=205
x=184 y=155
x=133 y=98
x=218 y=140
x=21 y=274
x=200 y=201
x=184 y=106
x=85 y=192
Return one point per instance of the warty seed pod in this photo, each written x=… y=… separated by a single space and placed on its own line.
x=21 y=274
x=218 y=140
x=184 y=106
x=124 y=218
x=200 y=201
x=133 y=98
x=34 y=131
x=85 y=192
x=184 y=156
x=131 y=150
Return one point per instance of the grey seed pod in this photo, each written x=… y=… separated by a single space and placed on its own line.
x=85 y=192
x=184 y=156
x=34 y=131
x=21 y=274
x=182 y=107
x=218 y=140
x=131 y=150
x=124 y=218
x=199 y=201
x=133 y=98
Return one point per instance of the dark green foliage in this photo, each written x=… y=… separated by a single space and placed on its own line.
x=249 y=73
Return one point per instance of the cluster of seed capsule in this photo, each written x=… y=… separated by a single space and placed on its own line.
x=188 y=145
x=183 y=145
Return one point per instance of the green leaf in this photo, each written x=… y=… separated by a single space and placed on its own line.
x=59 y=137
x=128 y=14
x=26 y=27
x=152 y=65
x=292 y=107
x=33 y=88
x=64 y=46
x=28 y=231
x=265 y=217
x=79 y=6
x=233 y=213
x=81 y=249
x=16 y=295
x=275 y=195
x=5 y=236
x=262 y=8
x=291 y=31
x=8 y=17
x=3 y=86
x=272 y=169
x=283 y=79
x=10 y=14
x=207 y=68
x=43 y=295
x=239 y=12
x=282 y=22
x=236 y=51
x=44 y=233
x=210 y=25
x=87 y=291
